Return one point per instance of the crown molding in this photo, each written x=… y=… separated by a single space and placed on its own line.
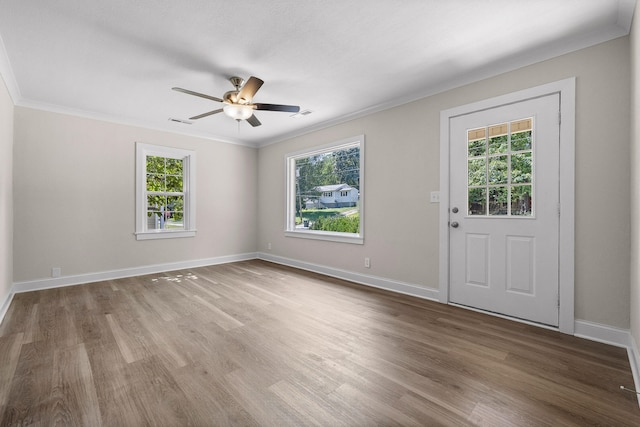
x=93 y=115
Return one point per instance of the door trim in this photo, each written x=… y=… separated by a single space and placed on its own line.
x=566 y=89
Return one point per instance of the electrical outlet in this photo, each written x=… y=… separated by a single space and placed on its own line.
x=367 y=262
x=269 y=245
x=435 y=197
x=56 y=272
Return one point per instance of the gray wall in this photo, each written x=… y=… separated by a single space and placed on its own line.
x=6 y=192
x=74 y=197
x=402 y=167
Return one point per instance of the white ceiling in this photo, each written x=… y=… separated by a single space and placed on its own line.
x=119 y=59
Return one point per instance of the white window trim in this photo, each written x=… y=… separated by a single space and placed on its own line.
x=189 y=179
x=290 y=173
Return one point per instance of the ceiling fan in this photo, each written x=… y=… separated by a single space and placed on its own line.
x=239 y=102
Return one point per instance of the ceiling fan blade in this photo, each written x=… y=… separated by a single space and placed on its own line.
x=249 y=89
x=253 y=121
x=277 y=107
x=199 y=116
x=201 y=95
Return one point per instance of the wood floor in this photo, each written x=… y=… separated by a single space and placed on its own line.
x=254 y=343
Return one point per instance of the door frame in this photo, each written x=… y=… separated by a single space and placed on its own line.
x=566 y=90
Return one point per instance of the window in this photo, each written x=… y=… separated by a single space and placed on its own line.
x=165 y=192
x=314 y=178
x=500 y=170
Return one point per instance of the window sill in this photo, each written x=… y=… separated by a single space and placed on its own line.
x=356 y=239
x=152 y=235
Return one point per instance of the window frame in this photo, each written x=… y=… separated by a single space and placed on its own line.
x=189 y=188
x=290 y=207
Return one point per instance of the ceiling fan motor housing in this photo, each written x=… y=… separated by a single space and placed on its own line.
x=231 y=97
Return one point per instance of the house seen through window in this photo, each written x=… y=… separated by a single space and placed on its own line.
x=325 y=192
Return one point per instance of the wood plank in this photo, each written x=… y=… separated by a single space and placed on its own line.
x=261 y=404
x=30 y=386
x=113 y=387
x=306 y=405
x=73 y=399
x=220 y=318
x=10 y=346
x=211 y=403
x=129 y=337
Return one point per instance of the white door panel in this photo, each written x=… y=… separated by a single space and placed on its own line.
x=504 y=186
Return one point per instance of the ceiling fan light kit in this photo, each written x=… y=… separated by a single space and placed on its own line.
x=239 y=102
x=238 y=111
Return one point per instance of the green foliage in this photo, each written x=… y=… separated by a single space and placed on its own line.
x=498 y=197
x=342 y=224
x=477 y=195
x=521 y=141
x=498 y=170
x=477 y=148
x=520 y=191
x=521 y=200
x=498 y=194
x=312 y=215
x=347 y=167
x=164 y=174
x=477 y=172
x=155 y=164
x=498 y=144
x=521 y=168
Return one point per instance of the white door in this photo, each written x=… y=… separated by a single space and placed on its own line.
x=504 y=209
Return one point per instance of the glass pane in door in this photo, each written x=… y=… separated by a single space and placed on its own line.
x=500 y=169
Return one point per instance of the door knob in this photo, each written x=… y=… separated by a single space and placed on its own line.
x=454 y=210
x=455 y=224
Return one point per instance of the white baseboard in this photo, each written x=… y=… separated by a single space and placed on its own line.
x=5 y=305
x=36 y=285
x=363 y=279
x=602 y=333
x=634 y=361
